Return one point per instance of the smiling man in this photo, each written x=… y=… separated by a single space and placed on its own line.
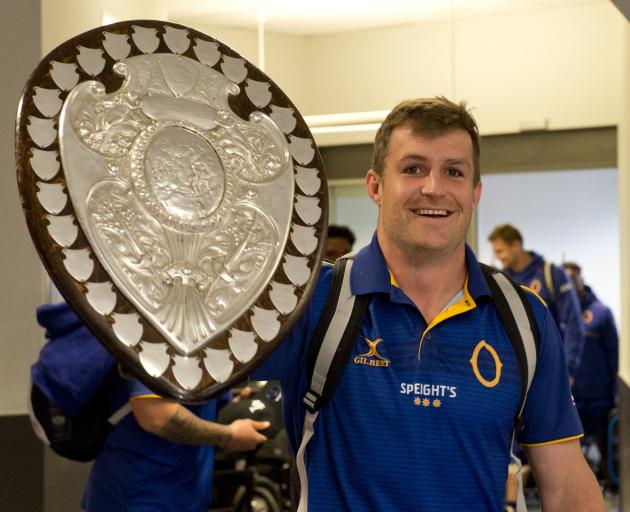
x=422 y=417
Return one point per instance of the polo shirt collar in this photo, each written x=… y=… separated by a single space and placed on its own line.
x=371 y=275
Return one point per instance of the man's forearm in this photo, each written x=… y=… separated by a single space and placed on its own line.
x=184 y=427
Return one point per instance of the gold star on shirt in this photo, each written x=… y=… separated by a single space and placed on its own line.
x=426 y=402
x=417 y=401
x=437 y=403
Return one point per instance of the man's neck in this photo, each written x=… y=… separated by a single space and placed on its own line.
x=429 y=280
x=522 y=260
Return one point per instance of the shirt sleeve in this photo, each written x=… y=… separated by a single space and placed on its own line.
x=550 y=414
x=569 y=319
x=136 y=389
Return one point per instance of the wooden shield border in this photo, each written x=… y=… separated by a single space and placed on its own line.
x=218 y=365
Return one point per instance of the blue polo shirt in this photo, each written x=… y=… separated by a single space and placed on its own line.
x=422 y=417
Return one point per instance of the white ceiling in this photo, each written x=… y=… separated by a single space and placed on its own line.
x=311 y=17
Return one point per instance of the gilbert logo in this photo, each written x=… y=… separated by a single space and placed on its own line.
x=372 y=357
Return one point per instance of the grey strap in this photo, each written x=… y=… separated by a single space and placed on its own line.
x=524 y=327
x=332 y=337
x=548 y=276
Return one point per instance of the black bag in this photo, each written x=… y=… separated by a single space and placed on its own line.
x=78 y=437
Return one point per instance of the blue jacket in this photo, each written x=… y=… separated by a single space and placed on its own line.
x=564 y=305
x=596 y=378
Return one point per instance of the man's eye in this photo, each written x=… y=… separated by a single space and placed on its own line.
x=412 y=170
x=455 y=172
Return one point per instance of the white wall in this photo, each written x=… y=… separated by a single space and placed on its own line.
x=20 y=270
x=558 y=63
x=63 y=19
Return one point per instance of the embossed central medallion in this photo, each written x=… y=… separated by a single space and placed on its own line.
x=178 y=176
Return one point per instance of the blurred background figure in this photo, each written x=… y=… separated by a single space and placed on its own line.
x=595 y=386
x=340 y=242
x=159 y=455
x=547 y=280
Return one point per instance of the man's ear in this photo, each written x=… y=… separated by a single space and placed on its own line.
x=373 y=185
x=477 y=193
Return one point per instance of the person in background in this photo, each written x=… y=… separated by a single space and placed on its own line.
x=595 y=387
x=160 y=456
x=339 y=242
x=549 y=281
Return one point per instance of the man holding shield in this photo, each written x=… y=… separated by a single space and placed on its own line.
x=423 y=415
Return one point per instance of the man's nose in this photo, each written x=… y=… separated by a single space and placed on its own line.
x=433 y=183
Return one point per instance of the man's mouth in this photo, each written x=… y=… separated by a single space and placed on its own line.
x=432 y=212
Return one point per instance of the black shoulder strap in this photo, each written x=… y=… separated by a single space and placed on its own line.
x=334 y=337
x=519 y=321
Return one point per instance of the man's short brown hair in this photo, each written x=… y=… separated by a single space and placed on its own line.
x=427 y=116
x=506 y=232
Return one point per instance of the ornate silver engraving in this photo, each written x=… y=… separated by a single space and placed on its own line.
x=154 y=358
x=44 y=163
x=207 y=52
x=187 y=371
x=284 y=117
x=64 y=74
x=176 y=39
x=42 y=131
x=146 y=39
x=47 y=101
x=101 y=297
x=91 y=60
x=128 y=328
x=178 y=195
x=117 y=45
x=234 y=68
x=78 y=263
x=63 y=230
x=243 y=345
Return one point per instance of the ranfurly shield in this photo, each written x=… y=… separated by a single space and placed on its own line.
x=175 y=196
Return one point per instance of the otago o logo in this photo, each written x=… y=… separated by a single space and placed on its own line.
x=482 y=345
x=587 y=316
x=535 y=285
x=372 y=357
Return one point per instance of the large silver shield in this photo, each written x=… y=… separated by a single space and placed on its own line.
x=175 y=196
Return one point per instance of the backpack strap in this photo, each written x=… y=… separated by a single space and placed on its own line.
x=518 y=319
x=332 y=344
x=334 y=337
x=548 y=276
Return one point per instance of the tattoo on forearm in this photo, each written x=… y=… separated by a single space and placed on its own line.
x=186 y=428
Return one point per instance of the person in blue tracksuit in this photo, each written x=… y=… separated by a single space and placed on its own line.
x=160 y=456
x=422 y=417
x=552 y=284
x=595 y=388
